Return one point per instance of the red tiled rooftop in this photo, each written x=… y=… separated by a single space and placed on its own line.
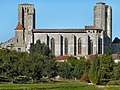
x=61 y=57
x=115 y=56
x=19 y=26
x=90 y=27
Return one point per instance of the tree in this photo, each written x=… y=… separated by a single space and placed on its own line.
x=43 y=63
x=73 y=61
x=93 y=72
x=64 y=70
x=50 y=69
x=117 y=71
x=106 y=68
x=81 y=67
x=101 y=70
x=42 y=49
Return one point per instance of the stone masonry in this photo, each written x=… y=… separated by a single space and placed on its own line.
x=64 y=42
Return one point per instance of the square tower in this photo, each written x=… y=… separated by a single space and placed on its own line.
x=103 y=20
x=26 y=16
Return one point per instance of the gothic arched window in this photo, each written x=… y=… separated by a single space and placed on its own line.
x=61 y=43
x=53 y=45
x=79 y=46
x=48 y=40
x=74 y=45
x=66 y=46
x=99 y=46
x=91 y=46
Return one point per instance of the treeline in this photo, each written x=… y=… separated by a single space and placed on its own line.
x=40 y=64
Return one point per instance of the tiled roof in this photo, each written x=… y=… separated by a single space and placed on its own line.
x=61 y=57
x=90 y=27
x=19 y=27
x=59 y=31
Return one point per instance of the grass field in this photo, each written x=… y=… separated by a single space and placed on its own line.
x=55 y=86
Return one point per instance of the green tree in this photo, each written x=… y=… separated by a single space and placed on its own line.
x=50 y=69
x=93 y=72
x=64 y=70
x=42 y=61
x=101 y=70
x=42 y=49
x=73 y=61
x=117 y=71
x=106 y=68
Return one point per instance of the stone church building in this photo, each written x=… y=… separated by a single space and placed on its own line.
x=93 y=39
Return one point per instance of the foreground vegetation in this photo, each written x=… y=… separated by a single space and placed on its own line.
x=40 y=64
x=74 y=85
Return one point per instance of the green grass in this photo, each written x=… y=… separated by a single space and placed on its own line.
x=54 y=86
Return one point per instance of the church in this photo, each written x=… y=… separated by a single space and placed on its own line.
x=90 y=40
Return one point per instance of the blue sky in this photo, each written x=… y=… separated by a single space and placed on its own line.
x=55 y=14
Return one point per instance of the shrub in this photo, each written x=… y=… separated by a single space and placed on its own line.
x=115 y=82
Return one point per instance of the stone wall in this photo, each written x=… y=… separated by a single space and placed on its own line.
x=70 y=36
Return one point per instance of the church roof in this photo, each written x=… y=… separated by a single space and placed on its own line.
x=59 y=31
x=116 y=40
x=19 y=26
x=90 y=27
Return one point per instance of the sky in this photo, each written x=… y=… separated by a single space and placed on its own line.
x=55 y=14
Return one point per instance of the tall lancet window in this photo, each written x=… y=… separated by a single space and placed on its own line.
x=79 y=46
x=90 y=47
x=47 y=40
x=61 y=43
x=66 y=46
x=74 y=45
x=53 y=45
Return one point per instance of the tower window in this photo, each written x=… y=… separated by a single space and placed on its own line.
x=17 y=40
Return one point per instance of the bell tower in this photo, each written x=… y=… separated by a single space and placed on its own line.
x=26 y=16
x=103 y=20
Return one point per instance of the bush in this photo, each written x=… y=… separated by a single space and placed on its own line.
x=22 y=79
x=115 y=82
x=5 y=80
